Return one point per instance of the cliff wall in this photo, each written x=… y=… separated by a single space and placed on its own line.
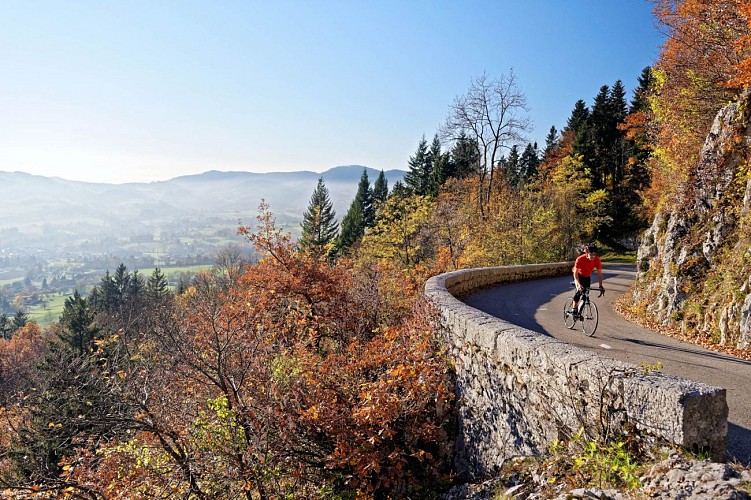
x=694 y=262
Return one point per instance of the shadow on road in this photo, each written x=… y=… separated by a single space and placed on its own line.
x=689 y=350
x=739 y=444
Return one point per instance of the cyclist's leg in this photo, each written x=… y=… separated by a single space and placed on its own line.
x=584 y=281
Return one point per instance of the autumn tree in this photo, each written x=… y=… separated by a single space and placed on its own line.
x=402 y=231
x=493 y=115
x=288 y=384
x=697 y=60
x=19 y=357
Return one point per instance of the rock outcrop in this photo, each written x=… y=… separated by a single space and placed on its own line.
x=694 y=262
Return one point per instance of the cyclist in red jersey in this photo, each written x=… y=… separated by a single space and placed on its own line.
x=585 y=264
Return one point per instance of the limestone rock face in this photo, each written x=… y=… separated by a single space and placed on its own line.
x=694 y=261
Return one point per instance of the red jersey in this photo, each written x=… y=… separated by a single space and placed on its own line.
x=584 y=266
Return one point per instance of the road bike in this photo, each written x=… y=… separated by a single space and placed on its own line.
x=586 y=313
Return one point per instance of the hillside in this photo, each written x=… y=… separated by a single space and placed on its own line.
x=693 y=264
x=46 y=212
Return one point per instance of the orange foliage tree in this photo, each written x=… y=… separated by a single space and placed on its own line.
x=697 y=60
x=289 y=382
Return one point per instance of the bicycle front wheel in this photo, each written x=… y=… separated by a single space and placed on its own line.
x=568 y=317
x=590 y=318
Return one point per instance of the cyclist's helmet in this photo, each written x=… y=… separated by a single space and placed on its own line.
x=590 y=247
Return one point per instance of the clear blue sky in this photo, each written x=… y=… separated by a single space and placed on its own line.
x=131 y=90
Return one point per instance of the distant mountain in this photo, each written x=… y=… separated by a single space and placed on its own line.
x=37 y=204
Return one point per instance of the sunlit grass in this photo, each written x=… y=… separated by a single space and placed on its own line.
x=47 y=313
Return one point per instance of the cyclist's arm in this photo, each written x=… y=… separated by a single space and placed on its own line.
x=599 y=275
x=576 y=277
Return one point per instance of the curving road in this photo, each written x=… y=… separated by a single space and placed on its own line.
x=538 y=305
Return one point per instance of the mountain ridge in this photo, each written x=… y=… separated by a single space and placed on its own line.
x=53 y=207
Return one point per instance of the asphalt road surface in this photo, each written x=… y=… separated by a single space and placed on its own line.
x=538 y=306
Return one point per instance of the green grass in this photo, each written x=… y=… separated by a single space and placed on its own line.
x=172 y=273
x=50 y=311
x=610 y=252
x=10 y=281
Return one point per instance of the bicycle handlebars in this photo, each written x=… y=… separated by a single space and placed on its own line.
x=601 y=289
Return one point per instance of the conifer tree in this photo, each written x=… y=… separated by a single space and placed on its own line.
x=19 y=320
x=579 y=117
x=528 y=164
x=353 y=228
x=6 y=329
x=121 y=279
x=617 y=102
x=319 y=226
x=104 y=296
x=436 y=170
x=551 y=142
x=157 y=286
x=640 y=102
x=364 y=198
x=420 y=172
x=380 y=189
x=77 y=324
x=511 y=166
x=361 y=215
x=464 y=158
x=399 y=190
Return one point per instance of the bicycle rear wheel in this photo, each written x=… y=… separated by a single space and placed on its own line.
x=590 y=318
x=568 y=318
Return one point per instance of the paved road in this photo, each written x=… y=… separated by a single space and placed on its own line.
x=538 y=305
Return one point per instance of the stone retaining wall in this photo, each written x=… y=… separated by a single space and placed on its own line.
x=518 y=390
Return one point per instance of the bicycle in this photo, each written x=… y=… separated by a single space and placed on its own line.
x=587 y=312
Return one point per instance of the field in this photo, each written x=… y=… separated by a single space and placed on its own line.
x=49 y=311
x=52 y=305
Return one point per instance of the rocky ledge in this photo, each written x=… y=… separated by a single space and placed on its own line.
x=677 y=477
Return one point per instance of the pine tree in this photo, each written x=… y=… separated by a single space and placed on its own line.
x=19 y=320
x=319 y=226
x=364 y=198
x=6 y=329
x=528 y=164
x=121 y=279
x=353 y=228
x=464 y=158
x=380 y=189
x=641 y=94
x=551 y=142
x=399 y=190
x=435 y=176
x=420 y=171
x=104 y=296
x=510 y=166
x=77 y=324
x=579 y=117
x=157 y=287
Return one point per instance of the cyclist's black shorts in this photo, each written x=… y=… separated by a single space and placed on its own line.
x=585 y=282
